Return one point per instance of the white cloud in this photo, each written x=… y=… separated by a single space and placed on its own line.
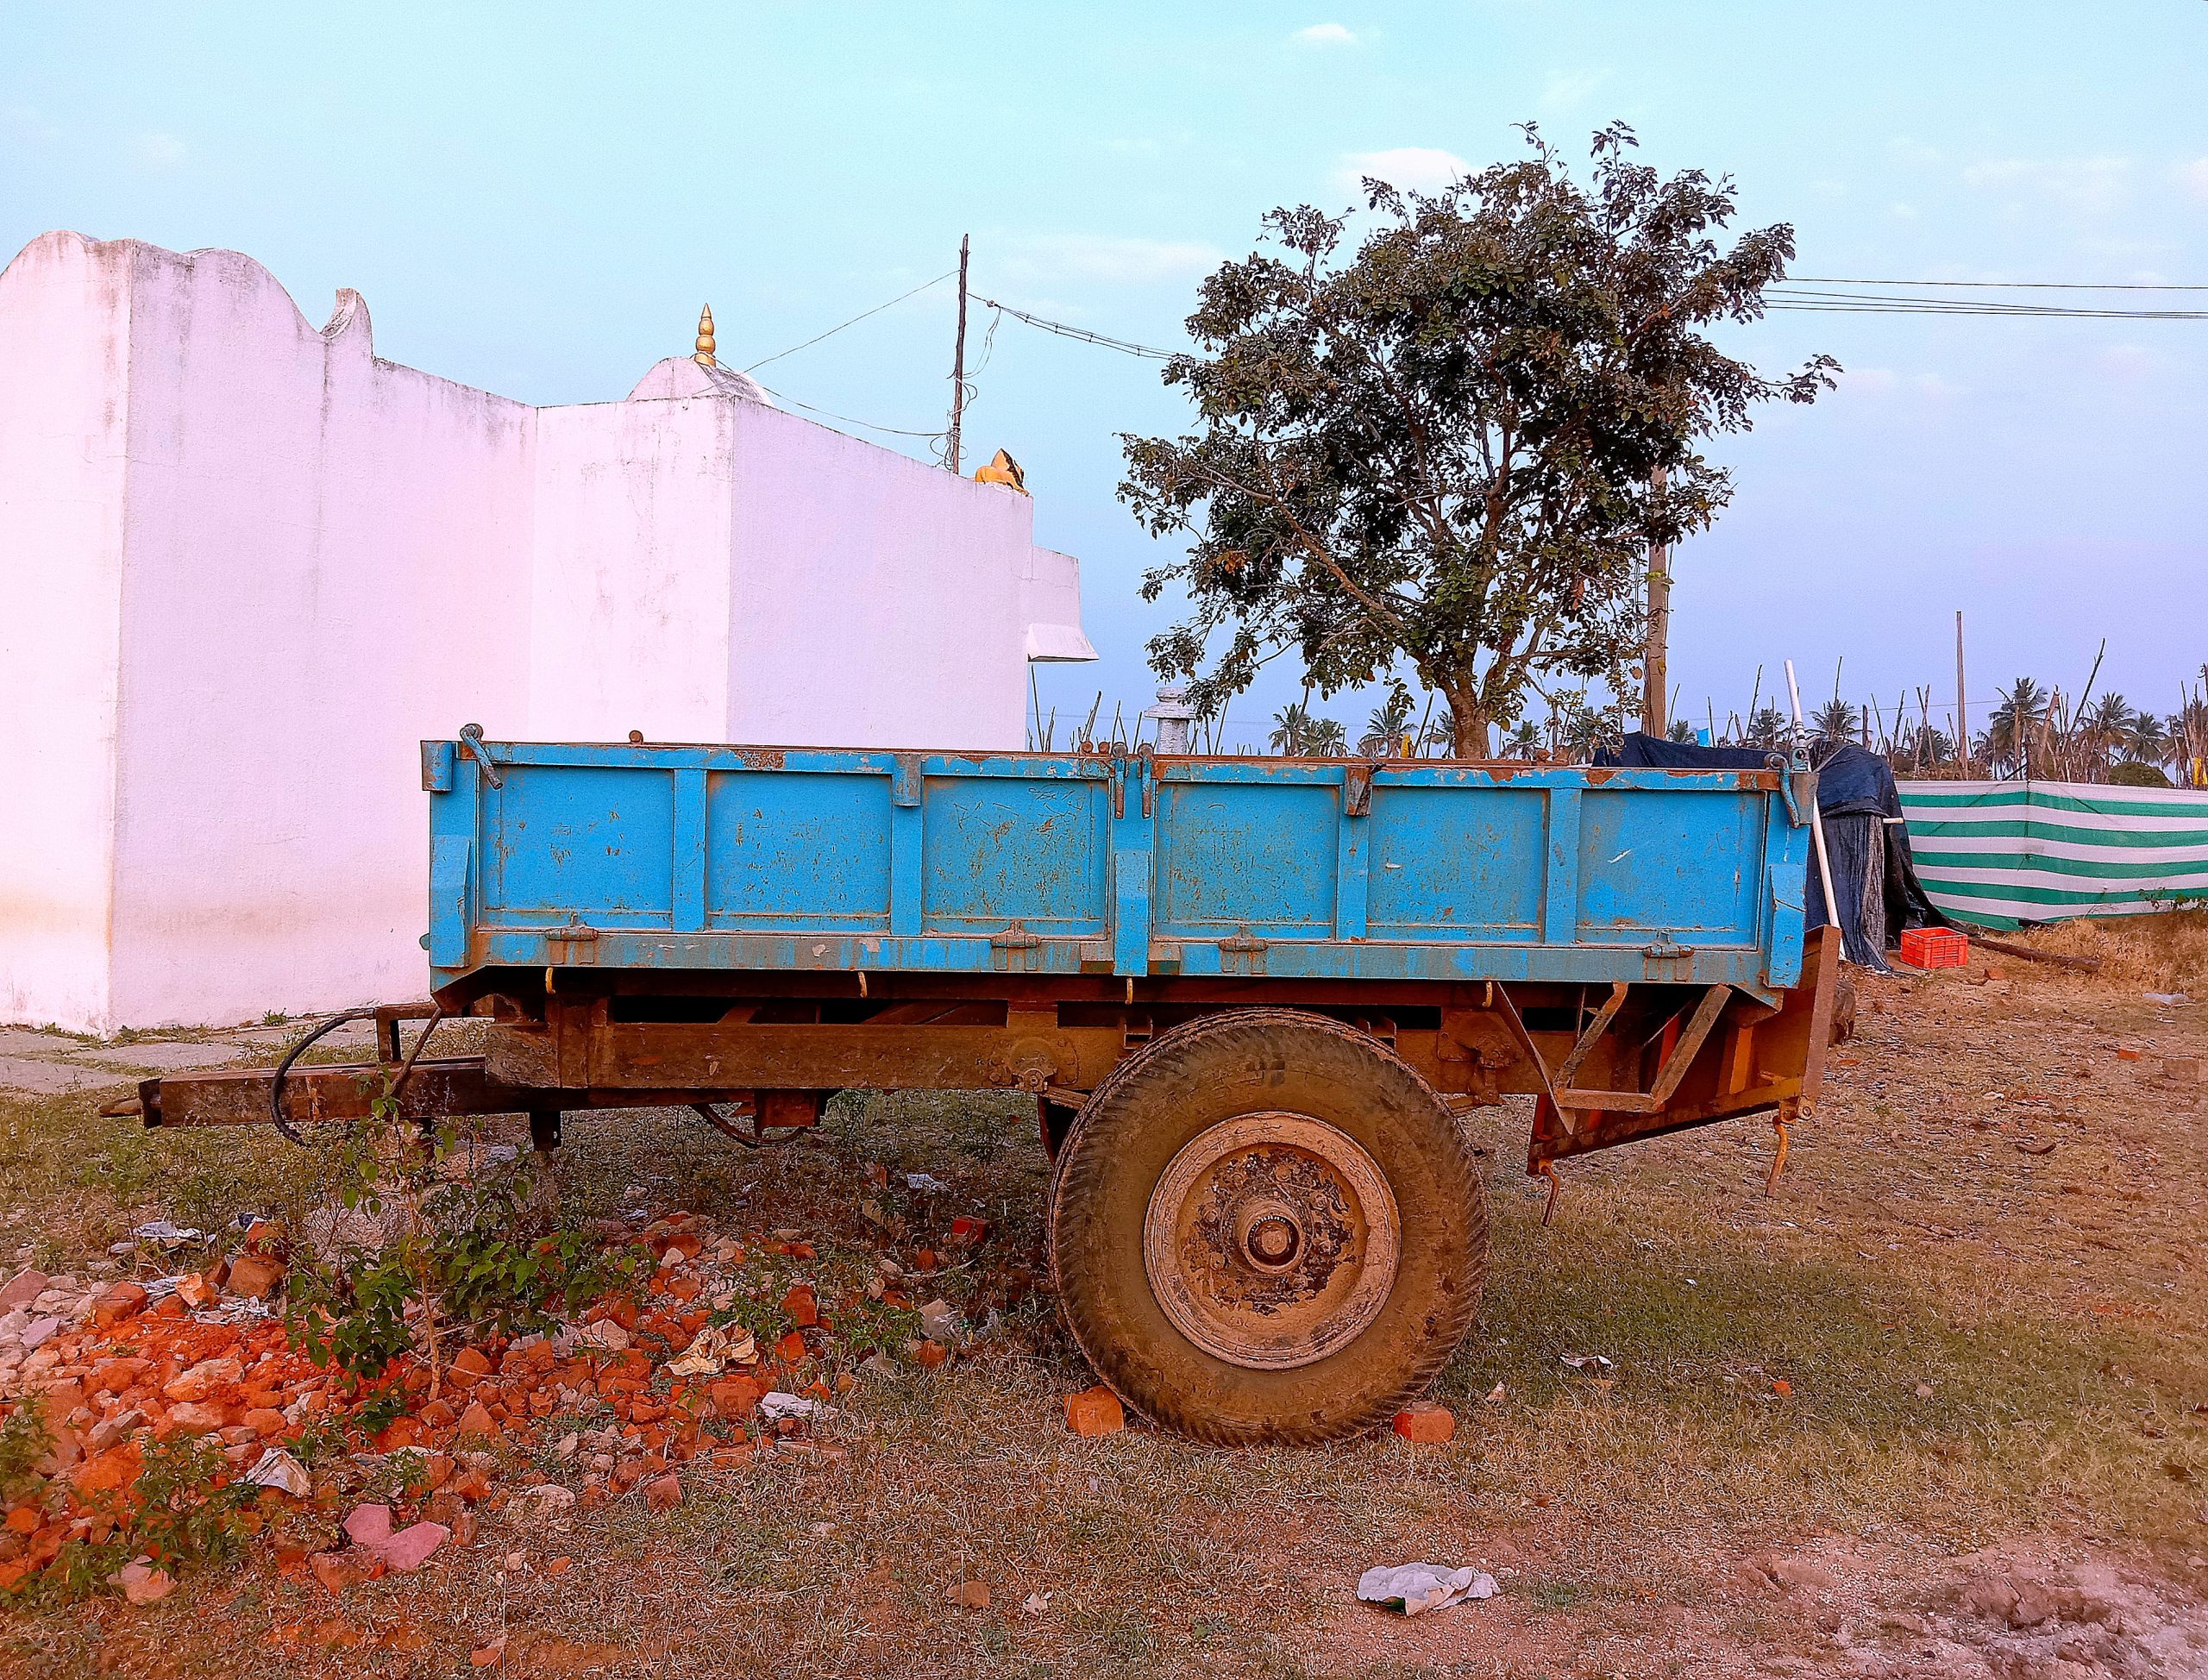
x=1415 y=168
x=25 y=123
x=1567 y=89
x=1033 y=259
x=160 y=151
x=2195 y=175
x=1324 y=35
x=2092 y=186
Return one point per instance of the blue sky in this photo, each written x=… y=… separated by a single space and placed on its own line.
x=536 y=200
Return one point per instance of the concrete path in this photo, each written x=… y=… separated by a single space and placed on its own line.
x=38 y=1063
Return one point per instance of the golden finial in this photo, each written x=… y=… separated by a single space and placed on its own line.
x=705 y=356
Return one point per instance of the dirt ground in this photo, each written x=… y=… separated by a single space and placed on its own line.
x=1939 y=1406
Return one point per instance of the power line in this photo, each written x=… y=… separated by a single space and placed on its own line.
x=2006 y=286
x=830 y=414
x=854 y=322
x=1783 y=296
x=1082 y=334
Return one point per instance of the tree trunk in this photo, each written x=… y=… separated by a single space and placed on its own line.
x=1468 y=723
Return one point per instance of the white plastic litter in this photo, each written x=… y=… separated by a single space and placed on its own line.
x=714 y=1347
x=1581 y=1361
x=1415 y=1587
x=926 y=1183
x=168 y=1235
x=278 y=1470
x=780 y=1405
x=2168 y=1000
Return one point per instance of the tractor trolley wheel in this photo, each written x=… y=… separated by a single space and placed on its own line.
x=1266 y=1226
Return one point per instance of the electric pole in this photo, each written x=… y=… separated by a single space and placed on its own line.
x=1653 y=690
x=958 y=358
x=1962 y=722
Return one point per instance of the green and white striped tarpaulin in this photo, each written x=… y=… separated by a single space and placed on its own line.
x=1998 y=853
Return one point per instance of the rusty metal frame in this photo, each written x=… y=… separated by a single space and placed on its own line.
x=1674 y=1068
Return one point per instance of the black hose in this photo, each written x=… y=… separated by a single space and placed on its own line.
x=292 y=1056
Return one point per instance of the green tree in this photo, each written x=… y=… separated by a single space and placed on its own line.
x=1835 y=720
x=1768 y=728
x=1440 y=451
x=1384 y=729
x=1524 y=741
x=2104 y=727
x=1440 y=735
x=2016 y=724
x=2148 y=739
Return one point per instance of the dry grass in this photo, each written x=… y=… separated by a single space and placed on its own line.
x=2053 y=1305
x=2167 y=951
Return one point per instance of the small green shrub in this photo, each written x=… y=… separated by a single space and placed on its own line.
x=463 y=1254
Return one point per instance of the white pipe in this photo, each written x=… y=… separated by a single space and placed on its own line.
x=1816 y=816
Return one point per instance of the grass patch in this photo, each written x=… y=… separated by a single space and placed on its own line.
x=2063 y=1355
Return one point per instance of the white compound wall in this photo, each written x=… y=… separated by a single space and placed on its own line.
x=247 y=564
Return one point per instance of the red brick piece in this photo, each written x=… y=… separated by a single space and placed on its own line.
x=663 y=1493
x=1095 y=1412
x=253 y=1277
x=118 y=1304
x=475 y=1421
x=1426 y=1424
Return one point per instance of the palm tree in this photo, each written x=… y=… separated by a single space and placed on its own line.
x=1835 y=720
x=1586 y=731
x=1441 y=732
x=1327 y=739
x=2146 y=738
x=2188 y=736
x=1766 y=729
x=2103 y=728
x=1921 y=744
x=2020 y=717
x=1683 y=732
x=1291 y=734
x=1524 y=741
x=1383 y=730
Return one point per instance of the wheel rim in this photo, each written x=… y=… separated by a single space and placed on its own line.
x=1271 y=1240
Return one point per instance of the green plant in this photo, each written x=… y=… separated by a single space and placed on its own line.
x=1452 y=448
x=24 y=1440
x=468 y=1248
x=186 y=1507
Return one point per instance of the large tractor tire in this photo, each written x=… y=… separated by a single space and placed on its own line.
x=1266 y=1226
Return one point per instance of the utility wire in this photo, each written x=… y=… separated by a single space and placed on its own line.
x=830 y=414
x=1082 y=334
x=854 y=322
x=2003 y=285
x=1787 y=296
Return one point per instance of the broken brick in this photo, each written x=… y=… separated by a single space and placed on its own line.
x=1095 y=1411
x=119 y=1303
x=1426 y=1424
x=477 y=1420
x=254 y=1277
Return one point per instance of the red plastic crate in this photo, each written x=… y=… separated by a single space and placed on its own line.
x=1934 y=948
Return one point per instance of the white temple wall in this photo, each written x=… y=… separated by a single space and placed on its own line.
x=63 y=354
x=246 y=566
x=630 y=595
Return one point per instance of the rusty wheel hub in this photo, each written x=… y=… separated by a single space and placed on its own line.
x=1271 y=1240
